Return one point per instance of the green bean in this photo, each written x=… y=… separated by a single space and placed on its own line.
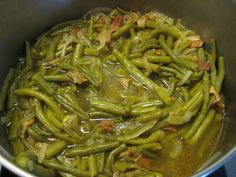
x=135 y=55
x=110 y=107
x=170 y=41
x=165 y=30
x=77 y=53
x=154 y=115
x=142 y=110
x=205 y=124
x=84 y=163
x=173 y=86
x=151 y=103
x=52 y=47
x=5 y=86
x=57 y=78
x=147 y=44
x=100 y=114
x=123 y=29
x=154 y=137
x=213 y=53
x=161 y=92
x=69 y=106
x=55 y=148
x=213 y=72
x=159 y=59
x=126 y=47
x=53 y=120
x=140 y=63
x=35 y=135
x=43 y=84
x=22 y=159
x=59 y=167
x=182 y=62
x=85 y=150
x=206 y=88
x=71 y=97
x=15 y=125
x=92 y=165
x=185 y=93
x=100 y=161
x=111 y=157
x=41 y=96
x=28 y=59
x=43 y=118
x=91 y=51
x=90 y=30
x=17 y=146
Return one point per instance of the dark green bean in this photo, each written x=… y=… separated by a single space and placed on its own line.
x=5 y=87
x=52 y=47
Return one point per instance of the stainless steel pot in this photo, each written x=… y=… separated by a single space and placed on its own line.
x=26 y=19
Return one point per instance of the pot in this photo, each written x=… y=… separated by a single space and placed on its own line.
x=26 y=19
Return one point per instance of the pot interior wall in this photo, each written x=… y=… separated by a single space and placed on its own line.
x=26 y=19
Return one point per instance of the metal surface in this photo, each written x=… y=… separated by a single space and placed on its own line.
x=26 y=19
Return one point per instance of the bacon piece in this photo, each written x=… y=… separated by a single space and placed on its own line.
x=128 y=153
x=107 y=125
x=104 y=37
x=115 y=24
x=144 y=162
x=25 y=124
x=77 y=77
x=218 y=105
x=171 y=129
x=203 y=65
x=125 y=82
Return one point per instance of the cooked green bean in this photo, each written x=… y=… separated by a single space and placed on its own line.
x=55 y=148
x=85 y=150
x=41 y=96
x=110 y=107
x=57 y=166
x=100 y=161
x=111 y=157
x=92 y=165
x=43 y=84
x=120 y=31
x=5 y=86
x=52 y=47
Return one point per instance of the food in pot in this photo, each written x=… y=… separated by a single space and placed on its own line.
x=119 y=94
